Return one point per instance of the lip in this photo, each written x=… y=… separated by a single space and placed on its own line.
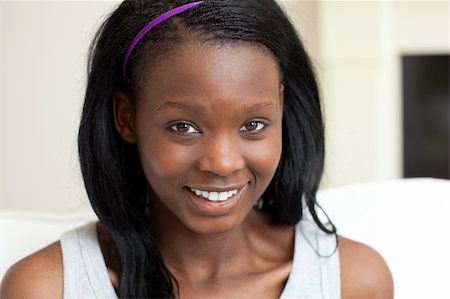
x=218 y=208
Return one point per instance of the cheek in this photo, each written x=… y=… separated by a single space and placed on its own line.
x=264 y=156
x=163 y=161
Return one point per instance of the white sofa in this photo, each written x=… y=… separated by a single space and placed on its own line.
x=22 y=233
x=407 y=221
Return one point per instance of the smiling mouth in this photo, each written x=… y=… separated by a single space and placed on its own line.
x=213 y=195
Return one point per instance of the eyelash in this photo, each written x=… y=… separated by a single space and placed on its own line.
x=260 y=126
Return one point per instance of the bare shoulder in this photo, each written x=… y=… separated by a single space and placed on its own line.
x=39 y=275
x=364 y=273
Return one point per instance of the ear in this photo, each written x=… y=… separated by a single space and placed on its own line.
x=124 y=116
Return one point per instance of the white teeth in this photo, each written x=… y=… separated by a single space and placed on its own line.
x=214 y=196
x=223 y=196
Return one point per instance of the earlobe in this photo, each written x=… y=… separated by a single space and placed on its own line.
x=124 y=116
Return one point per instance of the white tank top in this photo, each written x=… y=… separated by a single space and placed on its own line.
x=311 y=277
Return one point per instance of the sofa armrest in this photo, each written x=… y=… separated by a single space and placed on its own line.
x=407 y=221
x=22 y=233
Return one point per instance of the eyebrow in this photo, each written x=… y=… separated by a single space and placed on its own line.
x=257 y=107
x=191 y=107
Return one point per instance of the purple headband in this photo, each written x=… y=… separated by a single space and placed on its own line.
x=152 y=24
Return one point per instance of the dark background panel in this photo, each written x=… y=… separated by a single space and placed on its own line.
x=426 y=115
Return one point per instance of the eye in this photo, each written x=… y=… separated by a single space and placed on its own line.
x=252 y=126
x=184 y=128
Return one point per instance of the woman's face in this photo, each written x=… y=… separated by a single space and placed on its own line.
x=207 y=123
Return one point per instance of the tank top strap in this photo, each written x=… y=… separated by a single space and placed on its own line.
x=85 y=272
x=315 y=268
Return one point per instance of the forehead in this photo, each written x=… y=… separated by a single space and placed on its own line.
x=231 y=71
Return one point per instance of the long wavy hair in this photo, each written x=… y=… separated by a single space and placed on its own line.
x=115 y=183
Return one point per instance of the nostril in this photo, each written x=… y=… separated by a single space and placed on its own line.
x=221 y=169
x=221 y=164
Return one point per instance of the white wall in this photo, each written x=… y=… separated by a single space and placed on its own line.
x=355 y=45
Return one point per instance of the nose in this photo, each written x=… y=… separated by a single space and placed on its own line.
x=222 y=156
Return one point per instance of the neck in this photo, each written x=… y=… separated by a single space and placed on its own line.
x=202 y=257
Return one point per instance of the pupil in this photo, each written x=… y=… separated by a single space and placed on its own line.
x=251 y=125
x=183 y=128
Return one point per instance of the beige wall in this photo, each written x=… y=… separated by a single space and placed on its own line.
x=354 y=44
x=357 y=48
x=44 y=47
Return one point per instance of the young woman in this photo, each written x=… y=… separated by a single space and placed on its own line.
x=202 y=145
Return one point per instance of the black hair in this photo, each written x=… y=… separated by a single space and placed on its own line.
x=114 y=180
